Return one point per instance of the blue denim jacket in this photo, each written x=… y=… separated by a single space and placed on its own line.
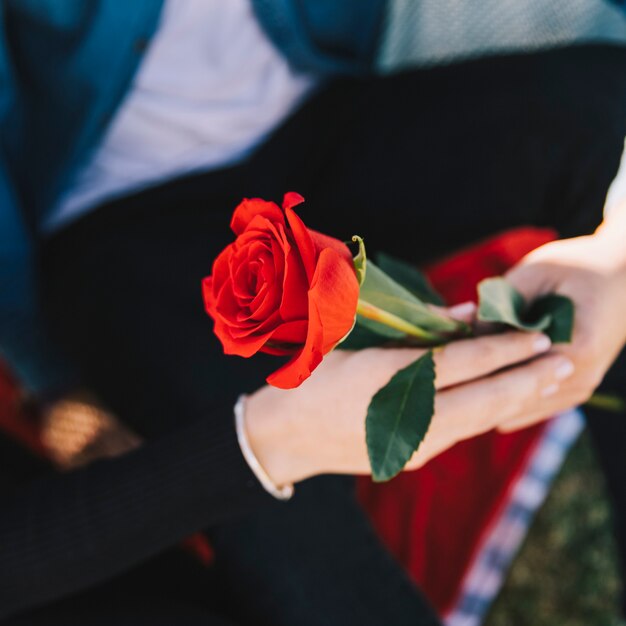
x=64 y=67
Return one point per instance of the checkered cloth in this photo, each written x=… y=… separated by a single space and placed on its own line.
x=502 y=541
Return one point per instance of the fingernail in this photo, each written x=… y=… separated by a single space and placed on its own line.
x=550 y=390
x=542 y=343
x=462 y=310
x=564 y=369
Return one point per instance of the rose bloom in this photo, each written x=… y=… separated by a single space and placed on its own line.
x=281 y=288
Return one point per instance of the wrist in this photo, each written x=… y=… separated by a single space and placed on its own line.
x=274 y=437
x=611 y=235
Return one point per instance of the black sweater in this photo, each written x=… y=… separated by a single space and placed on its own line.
x=60 y=533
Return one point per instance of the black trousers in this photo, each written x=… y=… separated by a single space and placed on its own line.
x=419 y=164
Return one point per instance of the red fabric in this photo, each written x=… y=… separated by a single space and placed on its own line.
x=433 y=520
x=13 y=420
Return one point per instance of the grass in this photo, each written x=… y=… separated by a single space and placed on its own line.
x=566 y=573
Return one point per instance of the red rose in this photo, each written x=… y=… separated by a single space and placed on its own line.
x=281 y=288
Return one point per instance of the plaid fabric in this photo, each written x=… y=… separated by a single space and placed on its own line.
x=486 y=574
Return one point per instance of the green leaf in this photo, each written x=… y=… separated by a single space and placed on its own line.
x=560 y=310
x=410 y=278
x=360 y=260
x=381 y=292
x=500 y=302
x=398 y=417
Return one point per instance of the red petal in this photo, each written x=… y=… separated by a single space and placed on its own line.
x=266 y=304
x=251 y=207
x=321 y=242
x=276 y=350
x=241 y=346
x=303 y=241
x=291 y=332
x=221 y=267
x=291 y=200
x=332 y=308
x=226 y=303
x=287 y=339
x=295 y=302
x=298 y=369
x=207 y=295
x=335 y=291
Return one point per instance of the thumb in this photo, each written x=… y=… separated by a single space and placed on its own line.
x=463 y=312
x=529 y=279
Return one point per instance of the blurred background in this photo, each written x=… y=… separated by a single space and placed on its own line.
x=566 y=572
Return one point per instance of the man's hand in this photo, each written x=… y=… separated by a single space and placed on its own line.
x=592 y=272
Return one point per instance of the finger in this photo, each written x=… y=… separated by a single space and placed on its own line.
x=464 y=312
x=528 y=281
x=563 y=402
x=468 y=359
x=479 y=406
x=524 y=422
x=485 y=328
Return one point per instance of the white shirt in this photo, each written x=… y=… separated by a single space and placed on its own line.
x=210 y=89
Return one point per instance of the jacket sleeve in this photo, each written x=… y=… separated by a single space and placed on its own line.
x=23 y=341
x=65 y=532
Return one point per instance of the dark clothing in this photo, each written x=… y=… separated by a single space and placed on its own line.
x=62 y=533
x=419 y=164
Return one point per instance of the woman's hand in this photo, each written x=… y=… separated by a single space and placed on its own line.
x=592 y=272
x=320 y=426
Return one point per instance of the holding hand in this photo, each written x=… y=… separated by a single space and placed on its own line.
x=592 y=272
x=505 y=381
x=320 y=426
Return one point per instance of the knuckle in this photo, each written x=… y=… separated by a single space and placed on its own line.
x=503 y=401
x=485 y=351
x=586 y=347
x=367 y=357
x=590 y=380
x=416 y=461
x=413 y=464
x=597 y=376
x=449 y=358
x=366 y=353
x=583 y=392
x=583 y=395
x=525 y=342
x=442 y=353
x=507 y=347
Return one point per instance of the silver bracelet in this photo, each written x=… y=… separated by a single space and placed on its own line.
x=281 y=493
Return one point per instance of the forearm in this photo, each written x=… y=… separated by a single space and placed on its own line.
x=613 y=231
x=67 y=532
